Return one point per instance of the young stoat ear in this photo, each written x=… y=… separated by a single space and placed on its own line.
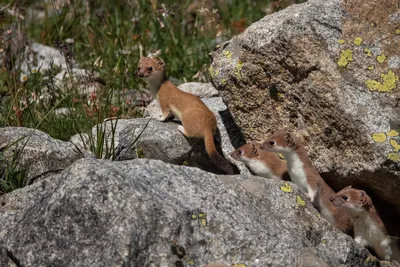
x=363 y=197
x=159 y=61
x=290 y=141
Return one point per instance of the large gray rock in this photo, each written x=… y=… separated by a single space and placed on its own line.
x=149 y=213
x=35 y=151
x=326 y=70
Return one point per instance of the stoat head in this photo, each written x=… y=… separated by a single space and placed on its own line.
x=350 y=198
x=151 y=68
x=282 y=142
x=247 y=152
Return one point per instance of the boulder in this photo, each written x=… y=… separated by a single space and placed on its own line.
x=36 y=152
x=150 y=213
x=327 y=71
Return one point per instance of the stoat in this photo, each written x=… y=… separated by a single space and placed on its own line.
x=369 y=230
x=261 y=162
x=197 y=120
x=305 y=175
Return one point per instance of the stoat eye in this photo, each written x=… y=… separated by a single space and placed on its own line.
x=272 y=143
x=345 y=198
x=150 y=68
x=240 y=152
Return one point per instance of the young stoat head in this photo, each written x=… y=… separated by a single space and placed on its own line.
x=151 y=68
x=282 y=142
x=350 y=198
x=247 y=152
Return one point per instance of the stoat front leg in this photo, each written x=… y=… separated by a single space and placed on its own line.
x=167 y=115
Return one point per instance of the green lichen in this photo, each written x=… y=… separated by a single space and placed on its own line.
x=286 y=188
x=223 y=81
x=227 y=54
x=341 y=41
x=238 y=69
x=381 y=58
x=185 y=162
x=368 y=52
x=372 y=67
x=358 y=41
x=394 y=157
x=194 y=217
x=389 y=82
x=239 y=104
x=345 y=57
x=323 y=241
x=211 y=71
x=139 y=152
x=300 y=201
x=397 y=31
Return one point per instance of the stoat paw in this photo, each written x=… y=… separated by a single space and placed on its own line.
x=361 y=241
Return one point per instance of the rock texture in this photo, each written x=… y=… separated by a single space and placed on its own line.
x=150 y=213
x=326 y=70
x=36 y=151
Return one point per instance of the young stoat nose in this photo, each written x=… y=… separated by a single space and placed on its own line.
x=331 y=199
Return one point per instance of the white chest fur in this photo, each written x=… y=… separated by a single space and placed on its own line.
x=367 y=233
x=298 y=174
x=259 y=168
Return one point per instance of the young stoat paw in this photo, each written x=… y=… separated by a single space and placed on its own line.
x=361 y=241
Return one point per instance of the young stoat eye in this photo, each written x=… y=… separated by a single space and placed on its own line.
x=150 y=68
x=345 y=198
x=272 y=143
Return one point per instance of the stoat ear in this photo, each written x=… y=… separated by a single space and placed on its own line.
x=363 y=197
x=159 y=61
x=290 y=141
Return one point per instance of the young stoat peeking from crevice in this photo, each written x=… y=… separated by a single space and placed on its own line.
x=197 y=120
x=369 y=230
x=303 y=173
x=261 y=162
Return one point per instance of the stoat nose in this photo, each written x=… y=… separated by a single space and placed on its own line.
x=331 y=199
x=140 y=74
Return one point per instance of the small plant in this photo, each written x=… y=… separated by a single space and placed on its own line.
x=12 y=176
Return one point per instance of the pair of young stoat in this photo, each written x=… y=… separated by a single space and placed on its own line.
x=197 y=119
x=350 y=210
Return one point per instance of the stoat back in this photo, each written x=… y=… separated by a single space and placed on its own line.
x=369 y=230
x=261 y=162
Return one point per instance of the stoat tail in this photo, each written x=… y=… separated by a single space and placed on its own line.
x=218 y=160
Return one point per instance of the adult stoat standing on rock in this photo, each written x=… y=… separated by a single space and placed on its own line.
x=369 y=230
x=197 y=119
x=261 y=162
x=303 y=173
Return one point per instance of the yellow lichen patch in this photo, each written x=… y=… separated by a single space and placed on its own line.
x=358 y=41
x=286 y=188
x=239 y=265
x=341 y=41
x=323 y=241
x=371 y=67
x=392 y=133
x=368 y=52
x=211 y=71
x=394 y=157
x=381 y=58
x=388 y=83
x=238 y=69
x=345 y=57
x=397 y=31
x=395 y=145
x=194 y=216
x=189 y=261
x=379 y=137
x=300 y=201
x=227 y=54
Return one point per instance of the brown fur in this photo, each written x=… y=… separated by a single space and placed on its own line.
x=197 y=119
x=253 y=157
x=289 y=145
